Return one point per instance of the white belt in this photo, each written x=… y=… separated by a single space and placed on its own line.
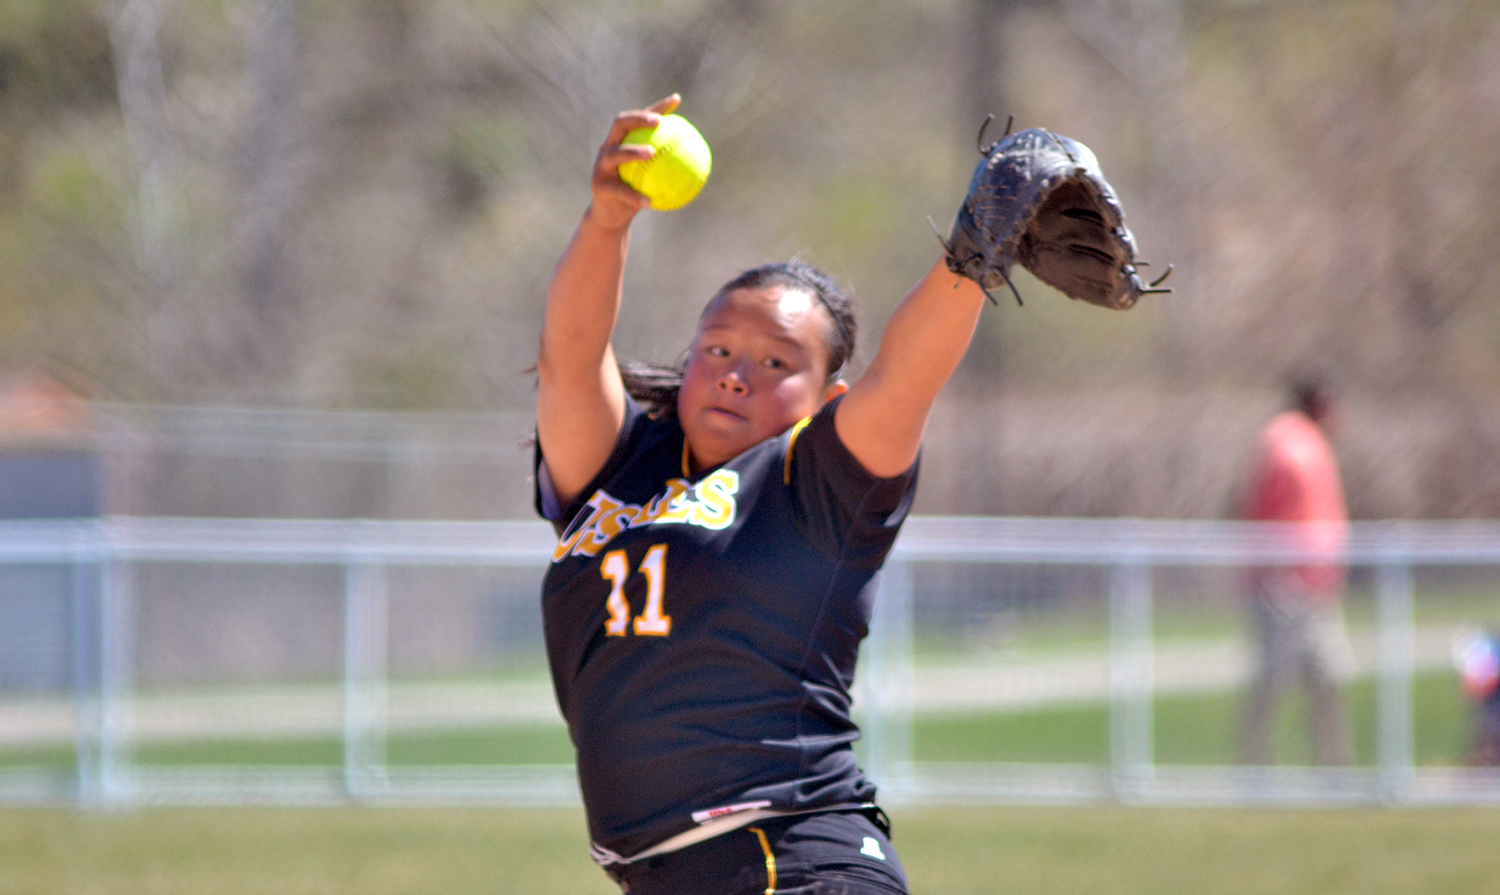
x=708 y=829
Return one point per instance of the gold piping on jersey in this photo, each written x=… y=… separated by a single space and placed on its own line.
x=786 y=468
x=687 y=469
x=765 y=846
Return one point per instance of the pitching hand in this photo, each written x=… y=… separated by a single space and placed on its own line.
x=615 y=204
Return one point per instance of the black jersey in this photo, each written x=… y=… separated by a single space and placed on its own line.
x=702 y=631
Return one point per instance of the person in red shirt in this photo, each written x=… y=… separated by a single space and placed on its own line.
x=1298 y=609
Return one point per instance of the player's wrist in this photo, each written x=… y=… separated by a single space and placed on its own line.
x=609 y=218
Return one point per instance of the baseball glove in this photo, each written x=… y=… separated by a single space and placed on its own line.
x=1038 y=198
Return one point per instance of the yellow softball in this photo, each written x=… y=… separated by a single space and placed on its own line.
x=672 y=177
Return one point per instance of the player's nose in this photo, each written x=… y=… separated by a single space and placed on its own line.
x=734 y=380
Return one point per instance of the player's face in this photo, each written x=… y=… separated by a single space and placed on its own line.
x=758 y=364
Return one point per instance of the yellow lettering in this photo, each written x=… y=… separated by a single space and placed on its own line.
x=614 y=522
x=661 y=503
x=600 y=504
x=714 y=508
x=710 y=504
x=679 y=508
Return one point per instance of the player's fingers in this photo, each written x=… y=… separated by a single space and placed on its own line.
x=625 y=122
x=628 y=195
x=612 y=156
x=666 y=105
x=607 y=169
x=614 y=200
x=619 y=153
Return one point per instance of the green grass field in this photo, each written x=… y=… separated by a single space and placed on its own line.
x=1190 y=729
x=1099 y=849
x=1106 y=850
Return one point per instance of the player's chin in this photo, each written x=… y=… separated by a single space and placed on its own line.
x=722 y=435
x=726 y=431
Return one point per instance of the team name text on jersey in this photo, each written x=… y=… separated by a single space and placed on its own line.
x=710 y=504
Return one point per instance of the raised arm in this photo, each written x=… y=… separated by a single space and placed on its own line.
x=884 y=414
x=580 y=397
x=1036 y=199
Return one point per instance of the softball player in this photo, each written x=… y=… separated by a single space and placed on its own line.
x=720 y=532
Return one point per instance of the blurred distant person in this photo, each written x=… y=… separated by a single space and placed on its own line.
x=1477 y=657
x=1298 y=609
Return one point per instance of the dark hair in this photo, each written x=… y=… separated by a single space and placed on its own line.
x=656 y=386
x=803 y=277
x=1311 y=389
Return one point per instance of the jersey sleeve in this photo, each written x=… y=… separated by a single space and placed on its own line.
x=843 y=509
x=544 y=497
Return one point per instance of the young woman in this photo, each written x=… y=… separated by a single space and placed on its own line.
x=717 y=557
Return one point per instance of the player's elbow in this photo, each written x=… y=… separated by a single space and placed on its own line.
x=543 y=368
x=554 y=363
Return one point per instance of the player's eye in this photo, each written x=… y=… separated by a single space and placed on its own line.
x=716 y=351
x=775 y=363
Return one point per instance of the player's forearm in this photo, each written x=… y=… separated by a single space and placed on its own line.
x=882 y=418
x=583 y=300
x=580 y=398
x=927 y=336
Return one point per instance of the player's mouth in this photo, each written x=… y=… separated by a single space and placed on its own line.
x=726 y=412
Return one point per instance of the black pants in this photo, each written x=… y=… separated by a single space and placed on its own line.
x=833 y=853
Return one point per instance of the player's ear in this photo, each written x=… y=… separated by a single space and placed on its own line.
x=838 y=387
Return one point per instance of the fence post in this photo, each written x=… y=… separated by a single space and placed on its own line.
x=1394 y=662
x=1131 y=747
x=366 y=647
x=87 y=635
x=116 y=680
x=887 y=669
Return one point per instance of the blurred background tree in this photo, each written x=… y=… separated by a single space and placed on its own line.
x=357 y=204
